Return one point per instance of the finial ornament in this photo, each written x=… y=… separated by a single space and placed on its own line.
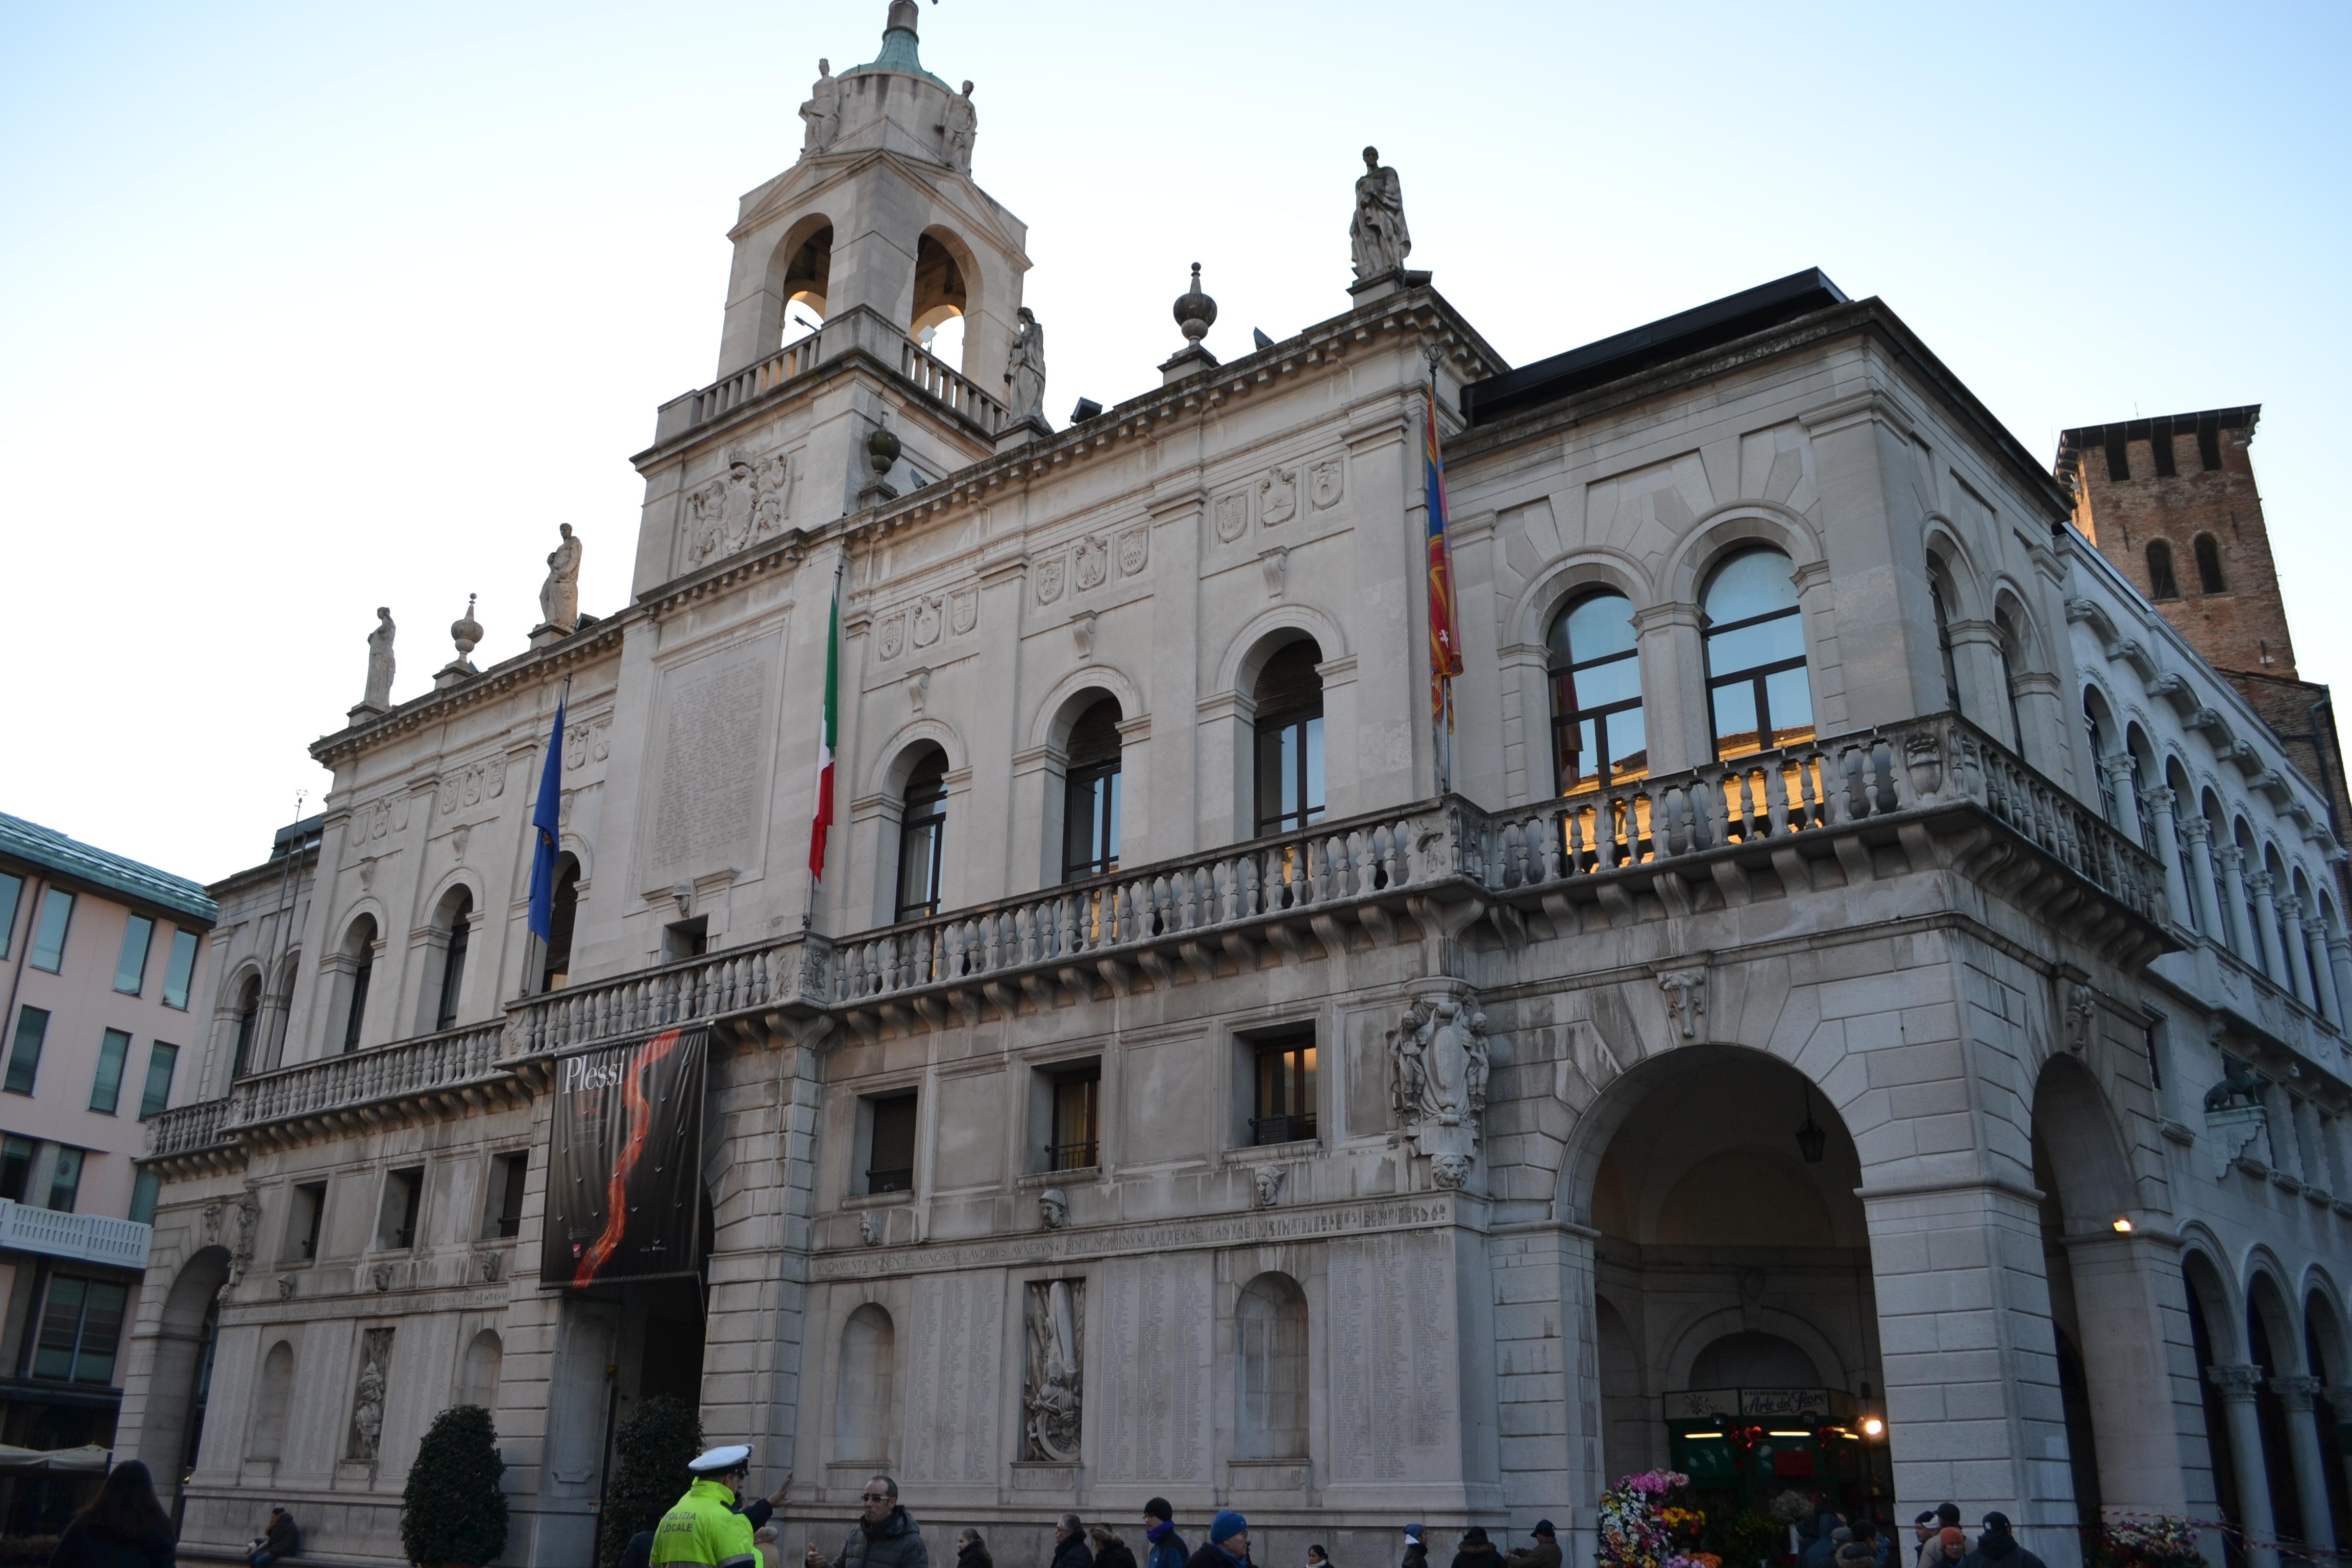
x=466 y=632
x=1195 y=311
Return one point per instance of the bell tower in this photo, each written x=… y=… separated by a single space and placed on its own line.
x=874 y=235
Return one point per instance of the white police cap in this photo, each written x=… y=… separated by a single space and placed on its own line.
x=718 y=1461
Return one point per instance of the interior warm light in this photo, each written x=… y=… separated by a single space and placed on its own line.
x=1872 y=1426
x=1788 y=1434
x=1703 y=1435
x=2123 y=1222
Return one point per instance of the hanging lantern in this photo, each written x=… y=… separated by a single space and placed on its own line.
x=1810 y=1139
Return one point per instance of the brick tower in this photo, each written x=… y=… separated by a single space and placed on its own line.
x=2173 y=502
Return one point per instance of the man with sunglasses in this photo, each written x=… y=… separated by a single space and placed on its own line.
x=885 y=1535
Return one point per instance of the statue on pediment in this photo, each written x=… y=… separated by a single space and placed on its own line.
x=1378 y=233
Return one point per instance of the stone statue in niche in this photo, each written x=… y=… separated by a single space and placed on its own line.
x=1378 y=233
x=559 y=596
x=958 y=130
x=1054 y=1208
x=367 y=1407
x=380 y=664
x=1025 y=371
x=1437 y=1078
x=1056 y=1336
x=823 y=110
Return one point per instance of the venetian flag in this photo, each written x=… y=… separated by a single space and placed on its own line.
x=822 y=824
x=1444 y=628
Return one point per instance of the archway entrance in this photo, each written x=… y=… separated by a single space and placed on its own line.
x=1734 y=1321
x=178 y=1378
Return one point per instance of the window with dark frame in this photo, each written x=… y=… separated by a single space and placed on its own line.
x=362 y=972
x=65 y=1178
x=1283 y=1107
x=513 y=1170
x=180 y=973
x=1090 y=794
x=106 y=1084
x=12 y=893
x=156 y=1096
x=1289 y=741
x=1944 y=645
x=145 y=1188
x=396 y=1224
x=310 y=1214
x=1076 y=1143
x=25 y=1050
x=81 y=1329
x=922 y=836
x=453 y=962
x=248 y=1020
x=1599 y=736
x=890 y=1144
x=2161 y=584
x=2007 y=629
x=16 y=1165
x=130 y=968
x=2097 y=734
x=562 y=918
x=1754 y=638
x=50 y=937
x=2208 y=551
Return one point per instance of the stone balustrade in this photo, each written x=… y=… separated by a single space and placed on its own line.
x=932 y=377
x=683 y=414
x=1938 y=791
x=852 y=330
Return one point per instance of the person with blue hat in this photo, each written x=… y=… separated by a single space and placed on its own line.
x=1228 y=1544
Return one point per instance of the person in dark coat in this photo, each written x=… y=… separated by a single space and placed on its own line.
x=885 y=1534
x=637 y=1553
x=1109 y=1551
x=971 y=1552
x=1416 y=1555
x=1862 y=1547
x=1476 y=1550
x=1543 y=1553
x=124 y=1527
x=1070 y=1544
x=1997 y=1548
x=1228 y=1545
x=1822 y=1550
x=1168 y=1548
x=278 y=1538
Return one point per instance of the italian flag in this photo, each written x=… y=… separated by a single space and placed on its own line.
x=822 y=823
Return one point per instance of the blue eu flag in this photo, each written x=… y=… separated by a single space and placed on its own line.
x=546 y=829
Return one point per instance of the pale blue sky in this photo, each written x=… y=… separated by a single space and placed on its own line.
x=309 y=308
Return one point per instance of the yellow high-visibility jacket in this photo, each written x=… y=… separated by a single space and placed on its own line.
x=705 y=1531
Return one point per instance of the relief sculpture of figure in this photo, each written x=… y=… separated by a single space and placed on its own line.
x=1025 y=371
x=379 y=674
x=1438 y=1065
x=957 y=132
x=559 y=596
x=823 y=110
x=1378 y=233
x=1053 y=1397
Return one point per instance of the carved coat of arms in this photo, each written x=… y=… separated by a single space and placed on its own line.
x=1280 y=489
x=1438 y=1059
x=1134 y=549
x=1049 y=579
x=1325 y=481
x=1232 y=516
x=927 y=622
x=964 y=610
x=1094 y=561
x=892 y=640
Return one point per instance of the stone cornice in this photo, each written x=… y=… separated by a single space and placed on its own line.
x=535 y=667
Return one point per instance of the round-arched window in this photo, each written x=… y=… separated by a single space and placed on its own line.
x=1598 y=736
x=1758 y=693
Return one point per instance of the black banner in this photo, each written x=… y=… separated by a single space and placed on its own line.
x=624 y=1164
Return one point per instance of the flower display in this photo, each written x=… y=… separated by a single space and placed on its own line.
x=2154 y=1540
x=1634 y=1532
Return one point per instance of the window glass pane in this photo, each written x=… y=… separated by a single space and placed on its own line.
x=101 y=1333
x=1768 y=642
x=49 y=941
x=64 y=1180
x=12 y=893
x=182 y=973
x=890 y=1162
x=1110 y=844
x=131 y=969
x=161 y=1061
x=1269 y=780
x=61 y=1328
x=1734 y=718
x=1750 y=584
x=918 y=868
x=1790 y=698
x=106 y=1089
x=144 y=1190
x=1601 y=684
x=1579 y=760
x=24 y=1051
x=1629 y=745
x=1601 y=624
x=16 y=1166
x=1314 y=757
x=1080 y=804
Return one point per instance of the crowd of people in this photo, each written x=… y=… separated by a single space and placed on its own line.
x=1938 y=1542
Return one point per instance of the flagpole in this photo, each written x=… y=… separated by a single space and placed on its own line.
x=833 y=634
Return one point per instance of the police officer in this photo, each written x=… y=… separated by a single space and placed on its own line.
x=709 y=1529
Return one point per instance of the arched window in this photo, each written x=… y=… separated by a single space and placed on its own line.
x=1270 y=1369
x=2208 y=566
x=1290 y=700
x=1596 y=694
x=1944 y=636
x=564 y=912
x=2100 y=747
x=249 y=1023
x=2006 y=626
x=1090 y=794
x=272 y=1400
x=2160 y=582
x=863 y=1401
x=485 y=1359
x=922 y=836
x=941 y=298
x=1755 y=685
x=359 y=946
x=457 y=924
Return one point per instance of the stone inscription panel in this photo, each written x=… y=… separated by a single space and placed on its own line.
x=957 y=1361
x=1394 y=1365
x=1152 y=1319
x=717 y=731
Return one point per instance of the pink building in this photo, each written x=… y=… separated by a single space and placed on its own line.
x=100 y=959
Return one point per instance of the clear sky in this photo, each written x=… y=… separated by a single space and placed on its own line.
x=305 y=309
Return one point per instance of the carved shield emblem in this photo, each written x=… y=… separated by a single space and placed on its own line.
x=1326 y=481
x=963 y=611
x=1280 y=489
x=1232 y=516
x=743 y=498
x=1134 y=549
x=1094 y=561
x=1049 y=579
x=927 y=622
x=893 y=638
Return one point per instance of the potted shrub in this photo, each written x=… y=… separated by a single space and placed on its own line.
x=650 y=1452
x=452 y=1510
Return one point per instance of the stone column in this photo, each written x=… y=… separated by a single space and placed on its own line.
x=2339 y=965
x=2200 y=834
x=1677 y=721
x=2339 y=1410
x=2167 y=847
x=2118 y=766
x=2310 y=1469
x=2237 y=1385
x=2124 y=1284
x=2267 y=952
x=2323 y=974
x=2291 y=949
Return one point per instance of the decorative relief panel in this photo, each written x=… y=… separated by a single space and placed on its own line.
x=1134 y=549
x=1052 y=1391
x=1233 y=514
x=1092 y=561
x=717 y=732
x=1326 y=481
x=378 y=819
x=927 y=620
x=1050 y=576
x=368 y=1400
x=1279 y=489
x=589 y=741
x=1157 y=1320
x=473 y=785
x=964 y=610
x=890 y=640
x=954 y=1359
x=1393 y=1399
x=751 y=500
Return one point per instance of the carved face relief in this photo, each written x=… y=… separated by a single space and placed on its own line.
x=1280 y=489
x=1267 y=1179
x=1049 y=579
x=1232 y=516
x=1094 y=561
x=869 y=1230
x=927 y=622
x=892 y=640
x=1451 y=1171
x=1054 y=1208
x=1326 y=481
x=964 y=610
x=1134 y=549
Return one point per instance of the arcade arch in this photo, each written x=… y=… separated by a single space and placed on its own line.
x=179 y=1373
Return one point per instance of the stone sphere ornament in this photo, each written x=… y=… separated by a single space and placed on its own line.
x=466 y=631
x=1195 y=311
x=882 y=449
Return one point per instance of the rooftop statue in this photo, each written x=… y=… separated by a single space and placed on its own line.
x=559 y=596
x=1378 y=233
x=958 y=129
x=380 y=663
x=1026 y=369
x=823 y=110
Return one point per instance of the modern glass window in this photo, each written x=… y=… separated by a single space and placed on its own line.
x=1284 y=1107
x=16 y=1166
x=180 y=973
x=890 y=1145
x=2208 y=565
x=156 y=1097
x=145 y=1188
x=25 y=1050
x=49 y=937
x=131 y=969
x=1597 y=735
x=106 y=1087
x=2161 y=582
x=1090 y=794
x=452 y=960
x=81 y=1329
x=1077 y=1132
x=249 y=1021
x=12 y=893
x=1944 y=645
x=1289 y=739
x=65 y=1178
x=922 y=836
x=1755 y=644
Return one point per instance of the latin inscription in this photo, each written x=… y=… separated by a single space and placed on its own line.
x=1392 y=1357
x=1153 y=1321
x=714 y=740
x=951 y=1406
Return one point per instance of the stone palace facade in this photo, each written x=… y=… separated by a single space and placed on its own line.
x=1858 y=1005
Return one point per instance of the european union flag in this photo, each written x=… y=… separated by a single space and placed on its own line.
x=546 y=822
